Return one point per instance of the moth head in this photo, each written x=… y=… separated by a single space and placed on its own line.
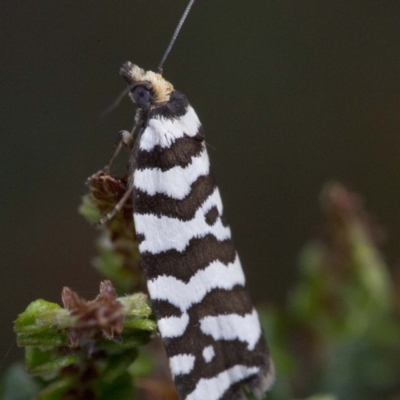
x=146 y=87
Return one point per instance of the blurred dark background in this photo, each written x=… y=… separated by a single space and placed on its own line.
x=291 y=94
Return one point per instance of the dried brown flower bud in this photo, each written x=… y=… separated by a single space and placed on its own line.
x=104 y=313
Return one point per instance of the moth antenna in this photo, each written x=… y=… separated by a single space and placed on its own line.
x=175 y=35
x=115 y=103
x=124 y=92
x=210 y=146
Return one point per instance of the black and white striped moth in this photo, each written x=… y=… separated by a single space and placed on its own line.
x=208 y=324
x=206 y=319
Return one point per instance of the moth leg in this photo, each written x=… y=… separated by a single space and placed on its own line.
x=126 y=139
x=110 y=215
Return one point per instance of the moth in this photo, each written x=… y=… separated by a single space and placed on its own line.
x=207 y=321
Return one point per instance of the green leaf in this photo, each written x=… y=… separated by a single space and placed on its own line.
x=27 y=321
x=142 y=366
x=55 y=338
x=55 y=390
x=141 y=324
x=89 y=209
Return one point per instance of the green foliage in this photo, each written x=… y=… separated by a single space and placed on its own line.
x=118 y=258
x=90 y=349
x=336 y=338
x=340 y=330
x=87 y=350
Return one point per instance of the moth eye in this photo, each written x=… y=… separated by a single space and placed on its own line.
x=141 y=95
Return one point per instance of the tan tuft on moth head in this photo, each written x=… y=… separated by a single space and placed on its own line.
x=147 y=87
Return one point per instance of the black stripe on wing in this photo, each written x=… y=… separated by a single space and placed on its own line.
x=162 y=205
x=199 y=253
x=180 y=153
x=226 y=356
